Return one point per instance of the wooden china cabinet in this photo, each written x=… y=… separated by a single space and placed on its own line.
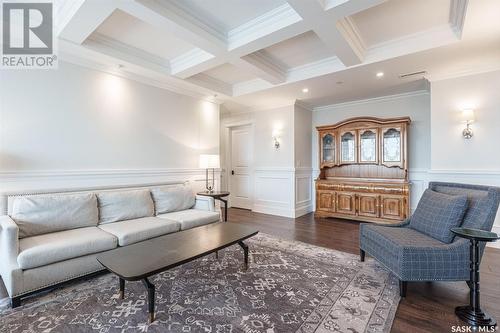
x=363 y=166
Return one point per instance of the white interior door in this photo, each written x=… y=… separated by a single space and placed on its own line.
x=239 y=172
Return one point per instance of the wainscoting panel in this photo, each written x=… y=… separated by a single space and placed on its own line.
x=303 y=191
x=274 y=191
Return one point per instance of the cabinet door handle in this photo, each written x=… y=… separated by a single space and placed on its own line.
x=232 y=172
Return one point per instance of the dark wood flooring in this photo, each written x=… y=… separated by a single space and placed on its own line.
x=428 y=307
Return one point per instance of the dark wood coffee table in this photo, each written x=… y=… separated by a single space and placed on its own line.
x=142 y=260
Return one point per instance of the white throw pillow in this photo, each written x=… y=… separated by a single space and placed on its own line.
x=173 y=198
x=42 y=214
x=124 y=205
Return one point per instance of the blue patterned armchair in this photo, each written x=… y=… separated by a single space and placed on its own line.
x=414 y=256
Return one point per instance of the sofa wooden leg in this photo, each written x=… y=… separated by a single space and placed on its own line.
x=402 y=288
x=361 y=255
x=15 y=302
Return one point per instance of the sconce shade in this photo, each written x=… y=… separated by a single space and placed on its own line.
x=208 y=161
x=467 y=116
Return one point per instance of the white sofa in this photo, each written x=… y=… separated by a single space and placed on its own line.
x=48 y=238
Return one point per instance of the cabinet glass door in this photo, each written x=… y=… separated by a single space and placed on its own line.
x=368 y=146
x=328 y=145
x=348 y=148
x=392 y=145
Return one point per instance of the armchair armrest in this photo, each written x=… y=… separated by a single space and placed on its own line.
x=204 y=203
x=9 y=243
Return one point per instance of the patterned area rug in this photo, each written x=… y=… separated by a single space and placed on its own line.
x=289 y=287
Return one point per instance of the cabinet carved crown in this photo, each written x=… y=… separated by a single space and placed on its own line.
x=363 y=166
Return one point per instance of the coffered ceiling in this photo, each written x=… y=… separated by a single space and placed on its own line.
x=241 y=49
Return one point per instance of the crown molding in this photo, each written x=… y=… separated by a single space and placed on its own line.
x=117 y=49
x=492 y=67
x=189 y=59
x=372 y=100
x=351 y=34
x=211 y=83
x=303 y=105
x=86 y=63
x=272 y=21
x=458 y=9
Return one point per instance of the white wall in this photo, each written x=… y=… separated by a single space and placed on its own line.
x=276 y=174
x=415 y=105
x=449 y=149
x=453 y=158
x=75 y=121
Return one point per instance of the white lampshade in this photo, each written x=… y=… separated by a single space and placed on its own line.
x=467 y=116
x=208 y=161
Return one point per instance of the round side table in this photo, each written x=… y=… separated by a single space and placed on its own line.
x=217 y=195
x=472 y=313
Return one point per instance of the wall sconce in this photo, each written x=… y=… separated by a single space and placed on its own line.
x=277 y=139
x=467 y=117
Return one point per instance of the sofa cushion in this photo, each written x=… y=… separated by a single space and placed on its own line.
x=42 y=214
x=437 y=213
x=124 y=205
x=172 y=198
x=45 y=249
x=137 y=230
x=191 y=218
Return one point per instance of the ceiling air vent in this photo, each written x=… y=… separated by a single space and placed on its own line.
x=413 y=75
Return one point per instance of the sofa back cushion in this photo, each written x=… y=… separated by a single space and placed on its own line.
x=124 y=205
x=173 y=198
x=437 y=213
x=42 y=214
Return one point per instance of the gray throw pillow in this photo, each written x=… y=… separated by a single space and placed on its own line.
x=437 y=213
x=124 y=205
x=42 y=214
x=173 y=198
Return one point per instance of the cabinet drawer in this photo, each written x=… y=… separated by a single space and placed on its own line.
x=326 y=201
x=368 y=205
x=392 y=207
x=346 y=203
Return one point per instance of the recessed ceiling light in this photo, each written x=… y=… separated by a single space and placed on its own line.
x=380 y=74
x=305 y=90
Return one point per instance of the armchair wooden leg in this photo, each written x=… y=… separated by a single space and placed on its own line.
x=361 y=255
x=402 y=288
x=15 y=302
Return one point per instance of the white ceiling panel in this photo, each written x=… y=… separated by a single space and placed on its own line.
x=397 y=18
x=131 y=31
x=299 y=50
x=228 y=14
x=229 y=74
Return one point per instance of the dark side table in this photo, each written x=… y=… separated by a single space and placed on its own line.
x=217 y=195
x=472 y=313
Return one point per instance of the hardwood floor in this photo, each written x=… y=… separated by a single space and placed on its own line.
x=428 y=307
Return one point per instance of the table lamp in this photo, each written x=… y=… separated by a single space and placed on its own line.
x=209 y=162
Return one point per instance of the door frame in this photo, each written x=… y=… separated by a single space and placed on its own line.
x=228 y=158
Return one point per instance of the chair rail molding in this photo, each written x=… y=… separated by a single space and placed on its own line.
x=16 y=180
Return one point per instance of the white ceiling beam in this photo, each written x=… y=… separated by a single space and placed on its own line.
x=262 y=66
x=211 y=83
x=330 y=21
x=84 y=18
x=126 y=53
x=458 y=9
